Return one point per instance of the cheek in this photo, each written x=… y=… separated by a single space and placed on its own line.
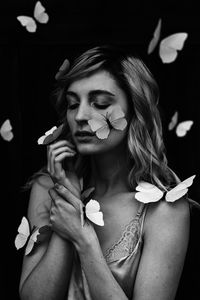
x=116 y=137
x=70 y=120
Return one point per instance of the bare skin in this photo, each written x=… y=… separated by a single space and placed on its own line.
x=46 y=273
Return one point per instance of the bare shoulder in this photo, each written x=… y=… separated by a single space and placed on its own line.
x=40 y=201
x=169 y=218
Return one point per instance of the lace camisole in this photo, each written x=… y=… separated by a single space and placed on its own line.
x=122 y=258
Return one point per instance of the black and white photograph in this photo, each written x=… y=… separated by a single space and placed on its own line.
x=100 y=150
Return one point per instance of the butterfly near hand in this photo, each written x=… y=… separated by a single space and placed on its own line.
x=6 y=131
x=26 y=236
x=147 y=192
x=102 y=124
x=92 y=211
x=182 y=128
x=50 y=136
x=40 y=16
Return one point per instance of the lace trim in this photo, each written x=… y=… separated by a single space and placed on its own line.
x=126 y=244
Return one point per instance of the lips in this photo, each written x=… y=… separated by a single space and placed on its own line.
x=84 y=134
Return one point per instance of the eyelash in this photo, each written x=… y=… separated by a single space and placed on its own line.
x=98 y=106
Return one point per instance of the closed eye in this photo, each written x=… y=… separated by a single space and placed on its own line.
x=100 y=106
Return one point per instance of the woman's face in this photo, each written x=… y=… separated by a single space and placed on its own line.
x=86 y=97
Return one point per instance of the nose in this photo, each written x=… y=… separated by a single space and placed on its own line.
x=83 y=113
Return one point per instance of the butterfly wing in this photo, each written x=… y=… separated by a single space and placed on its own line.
x=156 y=36
x=92 y=211
x=5 y=131
x=98 y=124
x=23 y=233
x=39 y=13
x=28 y=23
x=174 y=121
x=117 y=118
x=50 y=135
x=87 y=192
x=183 y=127
x=180 y=190
x=119 y=124
x=147 y=192
x=31 y=242
x=169 y=46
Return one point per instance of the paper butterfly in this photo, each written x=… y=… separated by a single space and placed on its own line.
x=155 y=39
x=40 y=16
x=101 y=124
x=182 y=128
x=24 y=235
x=50 y=135
x=169 y=46
x=6 y=131
x=63 y=68
x=147 y=192
x=92 y=212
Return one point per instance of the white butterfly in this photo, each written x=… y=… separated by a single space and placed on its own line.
x=147 y=192
x=102 y=124
x=155 y=39
x=92 y=212
x=182 y=128
x=39 y=14
x=169 y=46
x=6 y=131
x=50 y=135
x=25 y=235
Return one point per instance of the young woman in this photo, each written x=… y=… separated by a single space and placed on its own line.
x=112 y=141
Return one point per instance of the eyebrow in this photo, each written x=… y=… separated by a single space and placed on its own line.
x=98 y=92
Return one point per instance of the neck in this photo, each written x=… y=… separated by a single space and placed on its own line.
x=110 y=172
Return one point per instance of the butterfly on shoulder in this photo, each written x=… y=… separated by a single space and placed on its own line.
x=102 y=124
x=40 y=16
x=147 y=192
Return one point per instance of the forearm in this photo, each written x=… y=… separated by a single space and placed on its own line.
x=50 y=277
x=101 y=282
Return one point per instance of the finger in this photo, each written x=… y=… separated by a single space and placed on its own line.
x=60 y=150
x=54 y=195
x=53 y=154
x=67 y=195
x=63 y=180
x=61 y=143
x=62 y=156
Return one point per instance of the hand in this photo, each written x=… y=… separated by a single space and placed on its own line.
x=56 y=153
x=65 y=217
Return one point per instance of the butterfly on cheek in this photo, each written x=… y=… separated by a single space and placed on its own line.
x=102 y=124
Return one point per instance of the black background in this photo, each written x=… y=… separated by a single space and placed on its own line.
x=28 y=63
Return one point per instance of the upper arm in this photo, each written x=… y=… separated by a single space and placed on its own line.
x=166 y=238
x=38 y=215
x=40 y=202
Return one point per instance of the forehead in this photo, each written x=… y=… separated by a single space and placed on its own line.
x=98 y=81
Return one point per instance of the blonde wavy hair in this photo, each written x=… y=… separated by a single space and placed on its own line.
x=145 y=147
